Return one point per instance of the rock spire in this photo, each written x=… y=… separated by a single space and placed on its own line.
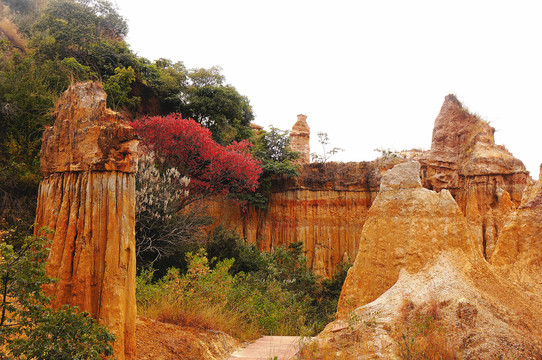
x=299 y=139
x=87 y=197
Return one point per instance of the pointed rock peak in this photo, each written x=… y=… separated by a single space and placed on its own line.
x=402 y=176
x=451 y=98
x=456 y=131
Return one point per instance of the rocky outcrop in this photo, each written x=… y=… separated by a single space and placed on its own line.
x=326 y=206
x=406 y=228
x=418 y=271
x=485 y=179
x=87 y=197
x=300 y=139
x=518 y=254
x=87 y=136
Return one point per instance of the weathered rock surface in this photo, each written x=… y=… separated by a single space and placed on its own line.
x=326 y=206
x=88 y=159
x=299 y=139
x=402 y=176
x=485 y=179
x=518 y=254
x=406 y=228
x=87 y=136
x=417 y=252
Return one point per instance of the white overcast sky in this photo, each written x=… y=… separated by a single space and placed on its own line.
x=372 y=74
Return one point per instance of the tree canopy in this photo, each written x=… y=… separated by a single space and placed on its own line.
x=212 y=168
x=45 y=45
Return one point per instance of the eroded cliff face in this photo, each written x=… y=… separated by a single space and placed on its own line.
x=87 y=197
x=326 y=206
x=407 y=227
x=418 y=256
x=485 y=179
x=518 y=254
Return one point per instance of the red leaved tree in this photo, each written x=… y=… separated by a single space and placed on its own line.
x=212 y=169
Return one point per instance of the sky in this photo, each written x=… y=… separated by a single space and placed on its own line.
x=371 y=74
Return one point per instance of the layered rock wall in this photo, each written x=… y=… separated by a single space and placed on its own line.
x=87 y=197
x=419 y=279
x=486 y=180
x=326 y=206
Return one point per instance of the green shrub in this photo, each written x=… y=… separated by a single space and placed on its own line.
x=278 y=296
x=29 y=329
x=225 y=243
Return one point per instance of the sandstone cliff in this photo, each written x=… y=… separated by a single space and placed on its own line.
x=326 y=206
x=485 y=179
x=407 y=227
x=417 y=255
x=518 y=254
x=87 y=197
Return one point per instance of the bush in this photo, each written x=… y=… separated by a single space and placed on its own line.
x=225 y=244
x=201 y=298
x=28 y=327
x=278 y=295
x=164 y=224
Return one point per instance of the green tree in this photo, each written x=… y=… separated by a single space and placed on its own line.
x=29 y=328
x=28 y=90
x=201 y=94
x=20 y=6
x=272 y=149
x=118 y=89
x=91 y=31
x=170 y=84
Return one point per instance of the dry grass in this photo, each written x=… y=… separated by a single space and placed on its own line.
x=9 y=30
x=352 y=342
x=213 y=299
x=334 y=351
x=202 y=315
x=420 y=333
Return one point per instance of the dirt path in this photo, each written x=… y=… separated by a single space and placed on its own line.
x=269 y=348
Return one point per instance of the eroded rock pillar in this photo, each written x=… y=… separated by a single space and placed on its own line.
x=89 y=160
x=299 y=139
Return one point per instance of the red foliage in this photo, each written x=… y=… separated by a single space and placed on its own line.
x=189 y=147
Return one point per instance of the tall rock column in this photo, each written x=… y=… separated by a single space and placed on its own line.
x=299 y=139
x=89 y=160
